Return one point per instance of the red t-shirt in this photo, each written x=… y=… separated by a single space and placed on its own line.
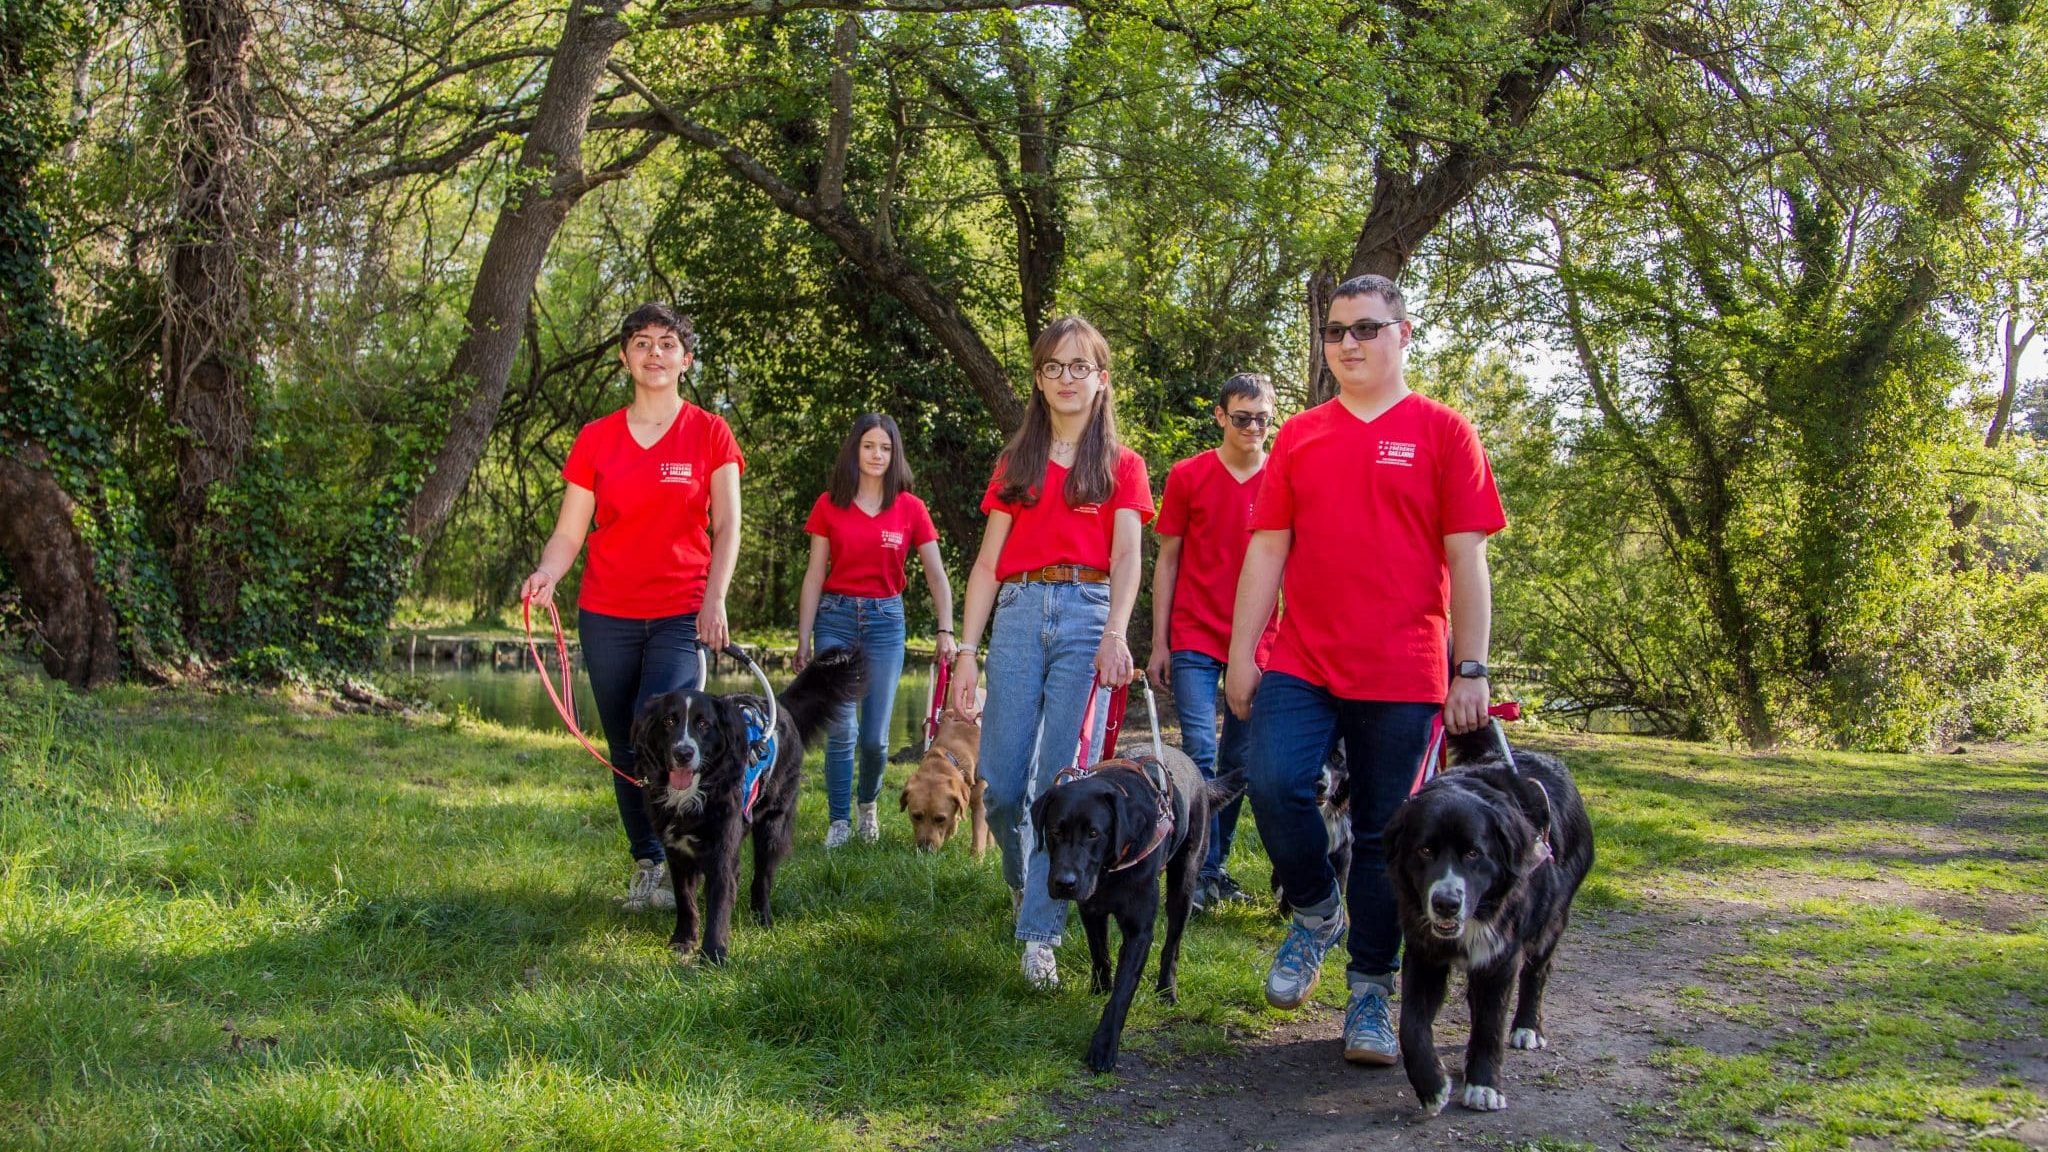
x=1211 y=511
x=868 y=552
x=1367 y=586
x=1051 y=532
x=650 y=553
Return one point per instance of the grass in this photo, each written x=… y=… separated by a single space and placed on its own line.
x=234 y=922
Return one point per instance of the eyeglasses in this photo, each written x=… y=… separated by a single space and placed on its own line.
x=1362 y=330
x=1250 y=419
x=1079 y=369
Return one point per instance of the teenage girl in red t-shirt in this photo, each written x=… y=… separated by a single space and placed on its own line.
x=661 y=480
x=1059 y=565
x=863 y=528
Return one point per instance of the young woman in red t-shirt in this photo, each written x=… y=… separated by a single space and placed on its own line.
x=661 y=480
x=1059 y=565
x=863 y=529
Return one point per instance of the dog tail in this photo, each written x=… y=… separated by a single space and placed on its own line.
x=1225 y=788
x=834 y=677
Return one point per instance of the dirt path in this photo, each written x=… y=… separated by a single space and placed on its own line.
x=1614 y=1001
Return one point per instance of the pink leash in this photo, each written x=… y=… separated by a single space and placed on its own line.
x=942 y=679
x=1433 y=755
x=565 y=700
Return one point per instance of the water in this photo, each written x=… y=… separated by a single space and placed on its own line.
x=518 y=699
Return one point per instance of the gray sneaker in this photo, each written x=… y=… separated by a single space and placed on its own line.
x=865 y=825
x=649 y=887
x=838 y=833
x=1369 y=1027
x=1299 y=962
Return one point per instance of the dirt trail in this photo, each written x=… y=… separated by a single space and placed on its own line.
x=1614 y=1001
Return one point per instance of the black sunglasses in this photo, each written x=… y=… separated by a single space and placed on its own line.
x=1247 y=419
x=1362 y=330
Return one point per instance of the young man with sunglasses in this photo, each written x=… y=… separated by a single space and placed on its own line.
x=1375 y=511
x=1204 y=525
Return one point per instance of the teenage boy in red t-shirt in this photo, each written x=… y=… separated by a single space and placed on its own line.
x=1204 y=525
x=1376 y=507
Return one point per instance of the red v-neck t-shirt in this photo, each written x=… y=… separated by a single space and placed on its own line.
x=1054 y=532
x=1367 y=585
x=1211 y=511
x=650 y=551
x=869 y=552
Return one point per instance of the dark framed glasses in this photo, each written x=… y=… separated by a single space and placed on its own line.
x=1078 y=370
x=1361 y=330
x=1242 y=420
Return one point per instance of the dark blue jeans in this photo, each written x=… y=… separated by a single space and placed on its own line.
x=1294 y=725
x=629 y=661
x=1196 y=678
x=876 y=624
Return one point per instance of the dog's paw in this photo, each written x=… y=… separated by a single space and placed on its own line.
x=1528 y=1039
x=683 y=950
x=1101 y=1058
x=1169 y=994
x=1099 y=981
x=1435 y=1104
x=1480 y=1098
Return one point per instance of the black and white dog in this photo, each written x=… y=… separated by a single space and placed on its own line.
x=694 y=750
x=1333 y=801
x=1484 y=862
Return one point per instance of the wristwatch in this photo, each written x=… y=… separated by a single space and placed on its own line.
x=1471 y=670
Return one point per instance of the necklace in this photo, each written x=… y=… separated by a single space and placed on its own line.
x=1059 y=445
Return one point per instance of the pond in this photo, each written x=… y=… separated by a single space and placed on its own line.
x=517 y=699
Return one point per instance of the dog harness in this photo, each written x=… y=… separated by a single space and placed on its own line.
x=1153 y=772
x=761 y=749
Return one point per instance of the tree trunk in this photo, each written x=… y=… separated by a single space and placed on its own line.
x=1321 y=384
x=206 y=333
x=53 y=564
x=525 y=228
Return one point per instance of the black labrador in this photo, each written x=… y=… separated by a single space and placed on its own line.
x=1108 y=833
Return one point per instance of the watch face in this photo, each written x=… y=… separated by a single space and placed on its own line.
x=1471 y=669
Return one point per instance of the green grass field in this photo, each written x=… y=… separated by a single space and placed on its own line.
x=234 y=922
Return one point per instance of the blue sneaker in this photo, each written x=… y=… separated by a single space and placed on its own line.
x=1299 y=963
x=1369 y=1027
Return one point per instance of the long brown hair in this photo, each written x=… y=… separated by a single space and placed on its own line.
x=845 y=484
x=1093 y=477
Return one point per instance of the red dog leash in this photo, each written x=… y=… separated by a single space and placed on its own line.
x=942 y=680
x=1113 y=724
x=565 y=700
x=1433 y=754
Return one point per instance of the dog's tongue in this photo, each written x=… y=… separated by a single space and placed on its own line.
x=678 y=780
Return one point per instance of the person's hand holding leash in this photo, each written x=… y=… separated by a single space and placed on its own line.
x=712 y=630
x=1113 y=661
x=1465 y=706
x=944 y=649
x=965 y=675
x=538 y=587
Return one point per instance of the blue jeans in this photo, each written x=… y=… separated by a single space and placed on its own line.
x=1294 y=726
x=1197 y=677
x=877 y=626
x=630 y=661
x=1041 y=663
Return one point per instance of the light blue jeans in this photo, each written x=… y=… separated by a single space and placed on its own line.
x=877 y=626
x=1197 y=683
x=1041 y=663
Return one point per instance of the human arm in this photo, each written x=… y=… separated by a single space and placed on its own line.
x=976 y=608
x=572 y=524
x=1258 y=591
x=807 y=599
x=942 y=599
x=1165 y=570
x=1471 y=628
x=1126 y=567
x=713 y=630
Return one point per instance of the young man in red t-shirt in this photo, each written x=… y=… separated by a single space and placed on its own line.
x=1204 y=525
x=1376 y=507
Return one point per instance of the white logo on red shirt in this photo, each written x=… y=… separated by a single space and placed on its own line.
x=1087 y=509
x=1399 y=453
x=892 y=540
x=675 y=473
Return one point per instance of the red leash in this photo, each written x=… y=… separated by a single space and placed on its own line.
x=1112 y=725
x=1433 y=754
x=942 y=679
x=565 y=700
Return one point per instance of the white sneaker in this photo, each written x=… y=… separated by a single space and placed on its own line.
x=866 y=826
x=839 y=833
x=1040 y=967
x=648 y=885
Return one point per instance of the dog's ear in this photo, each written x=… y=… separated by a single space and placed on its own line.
x=1398 y=837
x=903 y=801
x=1513 y=839
x=1131 y=813
x=644 y=736
x=960 y=802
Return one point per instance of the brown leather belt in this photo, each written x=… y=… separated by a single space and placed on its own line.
x=1060 y=574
